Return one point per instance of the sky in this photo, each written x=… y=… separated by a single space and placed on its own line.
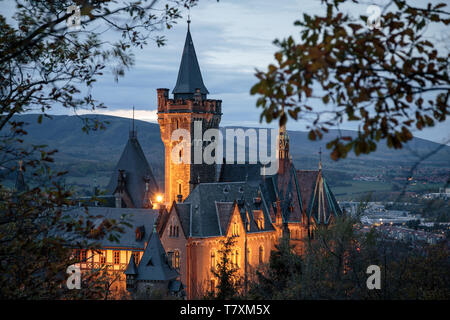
x=232 y=39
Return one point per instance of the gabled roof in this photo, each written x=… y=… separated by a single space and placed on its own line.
x=224 y=212
x=290 y=196
x=154 y=264
x=307 y=180
x=189 y=75
x=137 y=171
x=137 y=218
x=211 y=205
x=323 y=204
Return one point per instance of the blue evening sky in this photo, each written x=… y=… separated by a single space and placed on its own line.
x=231 y=39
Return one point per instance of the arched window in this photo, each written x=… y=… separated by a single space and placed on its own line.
x=136 y=257
x=235 y=232
x=176 y=259
x=261 y=254
x=177 y=231
x=213 y=259
x=233 y=257
x=237 y=258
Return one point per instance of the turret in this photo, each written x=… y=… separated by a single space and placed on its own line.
x=185 y=110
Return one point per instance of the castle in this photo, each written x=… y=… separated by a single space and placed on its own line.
x=174 y=245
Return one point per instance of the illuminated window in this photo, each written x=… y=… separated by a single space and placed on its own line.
x=261 y=254
x=116 y=257
x=83 y=255
x=103 y=257
x=213 y=259
x=237 y=258
x=136 y=257
x=176 y=259
x=235 y=231
x=212 y=285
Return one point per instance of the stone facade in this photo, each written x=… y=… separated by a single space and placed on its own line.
x=181 y=176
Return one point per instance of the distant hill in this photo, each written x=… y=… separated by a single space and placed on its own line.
x=83 y=153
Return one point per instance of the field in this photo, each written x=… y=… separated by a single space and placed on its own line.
x=356 y=189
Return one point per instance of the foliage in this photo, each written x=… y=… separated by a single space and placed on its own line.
x=282 y=277
x=389 y=80
x=228 y=280
x=45 y=64
x=37 y=240
x=335 y=264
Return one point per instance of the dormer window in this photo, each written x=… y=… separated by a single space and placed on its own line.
x=259 y=219
x=140 y=233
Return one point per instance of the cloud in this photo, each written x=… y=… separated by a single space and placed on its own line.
x=144 y=115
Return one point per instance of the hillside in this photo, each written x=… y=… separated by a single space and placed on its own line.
x=91 y=157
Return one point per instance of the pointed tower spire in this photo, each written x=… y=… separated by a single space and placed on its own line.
x=20 y=184
x=189 y=76
x=283 y=142
x=133 y=133
x=320 y=159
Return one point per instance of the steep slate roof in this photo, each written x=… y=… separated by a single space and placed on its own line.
x=240 y=172
x=131 y=269
x=137 y=169
x=189 y=75
x=307 y=180
x=127 y=239
x=184 y=214
x=224 y=212
x=290 y=196
x=154 y=263
x=323 y=204
x=211 y=206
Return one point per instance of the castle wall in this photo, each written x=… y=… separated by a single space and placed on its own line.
x=203 y=253
x=181 y=178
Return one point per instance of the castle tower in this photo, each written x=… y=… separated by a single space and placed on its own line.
x=188 y=108
x=283 y=149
